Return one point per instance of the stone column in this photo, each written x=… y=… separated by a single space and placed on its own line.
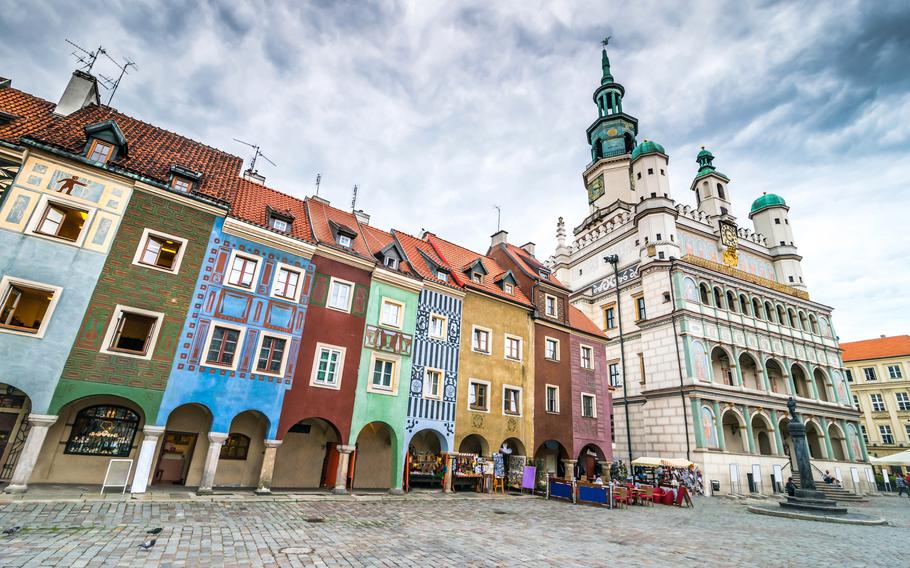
x=39 y=425
x=828 y=446
x=748 y=418
x=216 y=440
x=397 y=468
x=862 y=442
x=763 y=377
x=570 y=468
x=341 y=476
x=268 y=467
x=814 y=386
x=147 y=454
x=791 y=386
x=738 y=374
x=719 y=424
x=778 y=439
x=696 y=422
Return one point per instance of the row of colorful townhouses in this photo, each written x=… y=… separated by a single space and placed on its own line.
x=162 y=306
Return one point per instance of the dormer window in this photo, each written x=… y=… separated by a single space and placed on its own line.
x=181 y=184
x=508 y=288
x=391 y=262
x=344 y=240
x=100 y=151
x=280 y=225
x=441 y=274
x=544 y=274
x=279 y=220
x=475 y=277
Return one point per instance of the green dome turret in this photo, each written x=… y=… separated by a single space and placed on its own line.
x=705 y=161
x=647 y=147
x=767 y=200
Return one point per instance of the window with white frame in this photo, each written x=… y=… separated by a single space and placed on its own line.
x=479 y=395
x=862 y=429
x=61 y=221
x=271 y=358
x=438 y=325
x=26 y=306
x=511 y=400
x=907 y=429
x=223 y=345
x=279 y=224
x=552 y=399
x=878 y=405
x=894 y=372
x=480 y=340
x=391 y=262
x=340 y=295
x=903 y=401
x=614 y=375
x=384 y=374
x=391 y=313
x=132 y=332
x=242 y=271
x=432 y=383
x=442 y=275
x=588 y=405
x=550 y=305
x=344 y=241
x=587 y=357
x=287 y=283
x=887 y=435
x=551 y=349
x=160 y=250
x=869 y=373
x=513 y=348
x=508 y=288
x=328 y=365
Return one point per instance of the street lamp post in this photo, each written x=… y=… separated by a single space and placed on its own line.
x=614 y=260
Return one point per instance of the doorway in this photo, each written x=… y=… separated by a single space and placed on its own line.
x=174 y=459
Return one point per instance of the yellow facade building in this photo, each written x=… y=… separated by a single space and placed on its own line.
x=879 y=373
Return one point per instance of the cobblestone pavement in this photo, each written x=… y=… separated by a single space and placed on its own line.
x=440 y=531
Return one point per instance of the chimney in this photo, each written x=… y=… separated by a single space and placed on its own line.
x=318 y=199
x=528 y=248
x=254 y=177
x=499 y=238
x=882 y=336
x=362 y=217
x=5 y=83
x=81 y=91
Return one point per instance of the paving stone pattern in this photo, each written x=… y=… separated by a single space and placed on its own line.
x=439 y=531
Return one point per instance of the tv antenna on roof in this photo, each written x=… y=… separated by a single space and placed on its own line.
x=354 y=199
x=257 y=153
x=85 y=57
x=318 y=181
x=498 y=216
x=112 y=84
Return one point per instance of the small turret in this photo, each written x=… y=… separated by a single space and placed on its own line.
x=710 y=186
x=649 y=170
x=769 y=214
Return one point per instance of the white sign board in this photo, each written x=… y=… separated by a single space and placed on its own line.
x=118 y=474
x=887 y=479
x=734 y=478
x=756 y=476
x=778 y=474
x=854 y=473
x=839 y=477
x=870 y=476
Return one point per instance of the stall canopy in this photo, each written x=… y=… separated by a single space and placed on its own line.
x=645 y=461
x=901 y=458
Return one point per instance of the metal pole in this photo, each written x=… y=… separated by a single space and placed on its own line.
x=614 y=260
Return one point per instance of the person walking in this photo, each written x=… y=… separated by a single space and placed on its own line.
x=901 y=486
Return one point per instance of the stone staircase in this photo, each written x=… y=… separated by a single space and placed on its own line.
x=833 y=491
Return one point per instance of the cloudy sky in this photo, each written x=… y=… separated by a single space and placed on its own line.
x=441 y=110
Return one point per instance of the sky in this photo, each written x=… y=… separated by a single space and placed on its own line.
x=440 y=111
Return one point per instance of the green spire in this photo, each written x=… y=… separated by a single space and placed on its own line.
x=605 y=63
x=705 y=161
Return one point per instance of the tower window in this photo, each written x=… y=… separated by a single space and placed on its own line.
x=720 y=191
x=662 y=172
x=697 y=196
x=658 y=236
x=791 y=278
x=777 y=221
x=650 y=171
x=787 y=221
x=782 y=243
x=660 y=255
x=639 y=175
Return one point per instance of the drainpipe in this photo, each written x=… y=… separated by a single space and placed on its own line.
x=614 y=260
x=682 y=395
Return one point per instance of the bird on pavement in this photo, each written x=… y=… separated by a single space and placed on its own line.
x=11 y=531
x=148 y=544
x=154 y=531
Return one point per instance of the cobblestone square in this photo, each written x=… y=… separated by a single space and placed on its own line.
x=434 y=530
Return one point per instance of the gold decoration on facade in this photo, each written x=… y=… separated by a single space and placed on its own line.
x=742 y=275
x=731 y=258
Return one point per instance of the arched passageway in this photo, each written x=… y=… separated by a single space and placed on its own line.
x=308 y=456
x=183 y=446
x=549 y=456
x=734 y=432
x=375 y=459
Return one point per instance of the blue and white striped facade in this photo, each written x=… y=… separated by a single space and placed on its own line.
x=428 y=413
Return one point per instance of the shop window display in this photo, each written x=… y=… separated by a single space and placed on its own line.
x=103 y=431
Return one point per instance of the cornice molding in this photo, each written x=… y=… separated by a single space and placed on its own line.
x=396 y=279
x=249 y=231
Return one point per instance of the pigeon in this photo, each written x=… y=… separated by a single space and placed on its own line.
x=12 y=531
x=154 y=531
x=148 y=544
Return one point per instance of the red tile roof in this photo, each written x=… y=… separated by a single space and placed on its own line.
x=320 y=214
x=251 y=202
x=152 y=150
x=412 y=247
x=377 y=239
x=458 y=258
x=879 y=348
x=33 y=114
x=531 y=265
x=578 y=320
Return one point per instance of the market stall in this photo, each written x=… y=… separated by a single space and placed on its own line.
x=426 y=464
x=468 y=471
